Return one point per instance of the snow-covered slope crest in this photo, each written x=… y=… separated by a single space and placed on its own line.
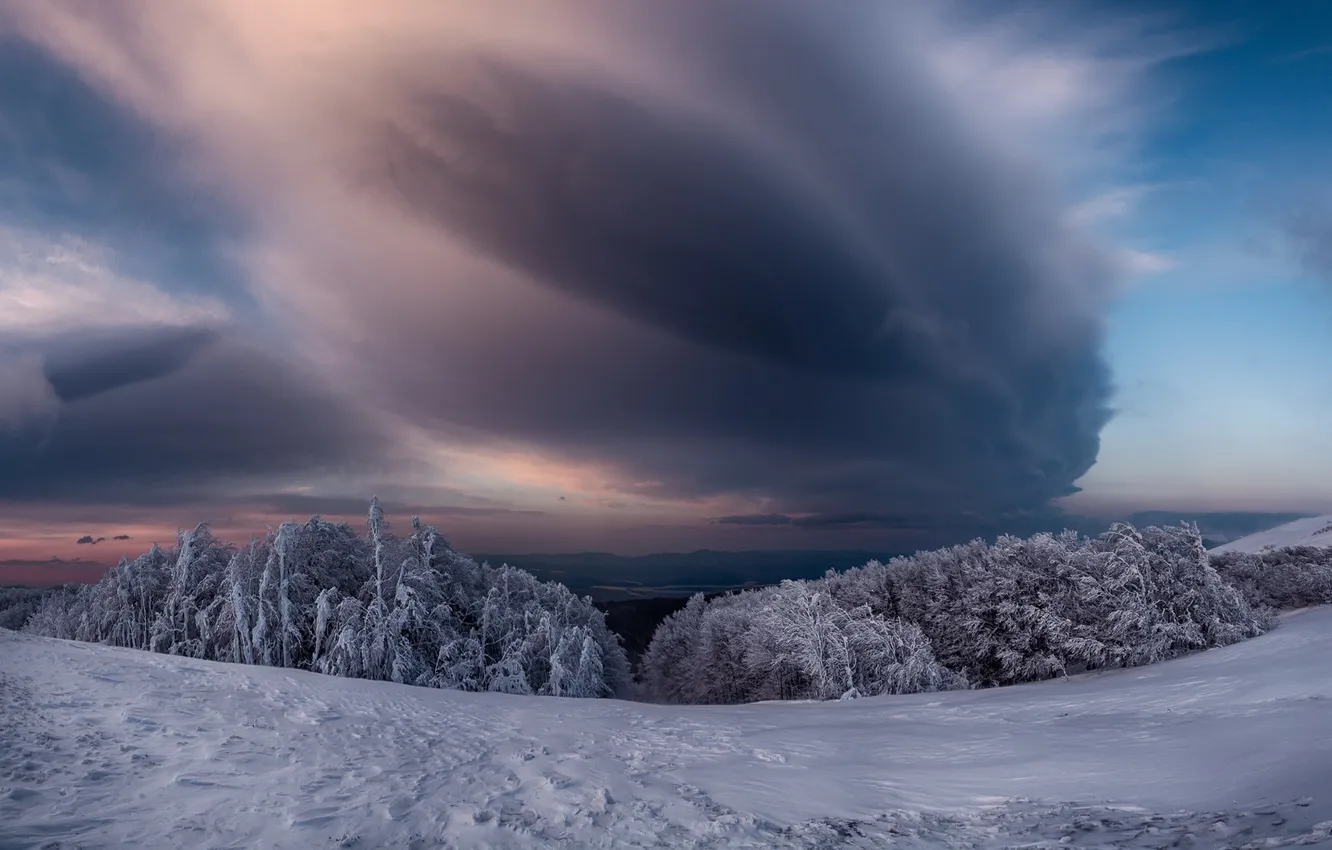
x=1311 y=531
x=106 y=747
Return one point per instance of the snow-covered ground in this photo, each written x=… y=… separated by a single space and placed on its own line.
x=103 y=747
x=1311 y=531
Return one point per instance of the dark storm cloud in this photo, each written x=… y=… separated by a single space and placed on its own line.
x=122 y=537
x=862 y=520
x=666 y=218
x=762 y=250
x=89 y=367
x=959 y=526
x=88 y=539
x=904 y=533
x=933 y=529
x=865 y=519
x=755 y=519
x=652 y=214
x=844 y=301
x=145 y=429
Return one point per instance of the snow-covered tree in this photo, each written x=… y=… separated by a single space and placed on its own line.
x=668 y=661
x=1280 y=578
x=339 y=627
x=588 y=677
x=461 y=664
x=1167 y=598
x=238 y=594
x=18 y=604
x=316 y=596
x=183 y=625
x=991 y=614
x=793 y=641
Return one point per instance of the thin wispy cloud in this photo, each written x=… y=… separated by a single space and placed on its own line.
x=62 y=282
x=1318 y=51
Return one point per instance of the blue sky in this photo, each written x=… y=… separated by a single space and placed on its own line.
x=636 y=278
x=1221 y=360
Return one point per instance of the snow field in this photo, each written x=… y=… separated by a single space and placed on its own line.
x=106 y=747
x=1311 y=531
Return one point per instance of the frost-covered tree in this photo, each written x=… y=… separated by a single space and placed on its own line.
x=421 y=621
x=381 y=539
x=668 y=661
x=794 y=641
x=1009 y=619
x=520 y=621
x=286 y=552
x=238 y=594
x=18 y=604
x=316 y=596
x=1280 y=578
x=725 y=672
x=262 y=636
x=991 y=614
x=839 y=653
x=588 y=677
x=1167 y=597
x=461 y=664
x=339 y=630
x=183 y=625
x=377 y=641
x=55 y=614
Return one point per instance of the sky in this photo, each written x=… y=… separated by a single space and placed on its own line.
x=623 y=277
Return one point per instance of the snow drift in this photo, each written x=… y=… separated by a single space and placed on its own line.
x=1311 y=531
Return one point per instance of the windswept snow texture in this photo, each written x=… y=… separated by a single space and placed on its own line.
x=107 y=747
x=1312 y=531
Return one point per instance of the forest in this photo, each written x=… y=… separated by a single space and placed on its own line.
x=409 y=609
x=317 y=596
x=979 y=615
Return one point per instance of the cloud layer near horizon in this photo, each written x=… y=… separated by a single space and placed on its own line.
x=802 y=261
x=149 y=415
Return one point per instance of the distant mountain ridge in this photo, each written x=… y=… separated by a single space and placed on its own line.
x=607 y=577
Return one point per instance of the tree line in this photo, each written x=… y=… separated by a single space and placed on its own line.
x=978 y=615
x=319 y=596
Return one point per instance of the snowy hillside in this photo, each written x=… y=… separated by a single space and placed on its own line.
x=107 y=747
x=1312 y=531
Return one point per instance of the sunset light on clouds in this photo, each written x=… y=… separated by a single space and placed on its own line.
x=596 y=275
